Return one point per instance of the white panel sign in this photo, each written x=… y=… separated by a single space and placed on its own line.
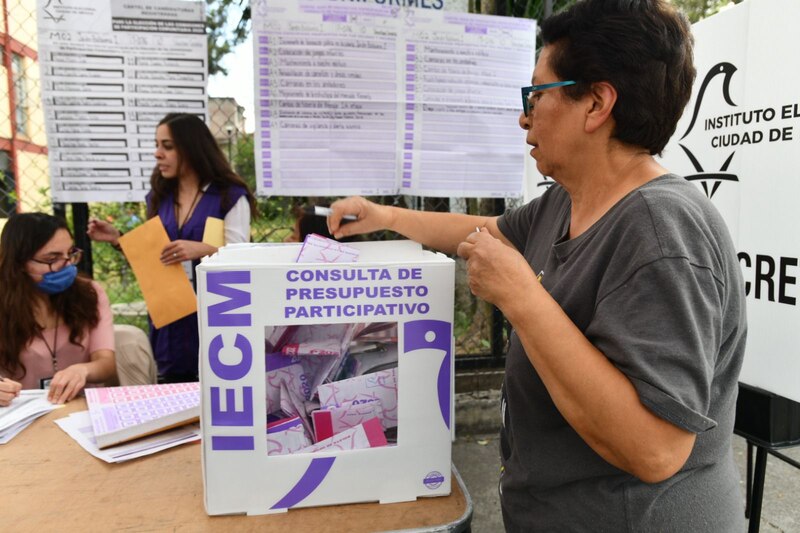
x=111 y=69
x=739 y=141
x=361 y=98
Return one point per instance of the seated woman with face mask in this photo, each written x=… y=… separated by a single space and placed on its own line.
x=55 y=325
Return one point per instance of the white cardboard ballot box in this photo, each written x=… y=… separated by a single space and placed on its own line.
x=244 y=289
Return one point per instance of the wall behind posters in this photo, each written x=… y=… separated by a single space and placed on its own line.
x=739 y=142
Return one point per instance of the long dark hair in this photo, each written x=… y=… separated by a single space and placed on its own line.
x=24 y=235
x=197 y=149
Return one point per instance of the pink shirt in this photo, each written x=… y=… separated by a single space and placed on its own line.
x=36 y=356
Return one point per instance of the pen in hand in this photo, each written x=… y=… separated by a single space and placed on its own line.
x=325 y=212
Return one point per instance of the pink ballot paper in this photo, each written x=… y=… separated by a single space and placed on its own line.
x=120 y=414
x=376 y=386
x=332 y=420
x=286 y=436
x=319 y=249
x=366 y=435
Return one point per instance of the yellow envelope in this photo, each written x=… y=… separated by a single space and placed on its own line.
x=167 y=290
x=214 y=232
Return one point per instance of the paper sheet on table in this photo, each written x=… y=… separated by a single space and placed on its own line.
x=23 y=410
x=79 y=427
x=214 y=232
x=166 y=289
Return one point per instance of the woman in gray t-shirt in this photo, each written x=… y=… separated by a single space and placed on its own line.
x=621 y=283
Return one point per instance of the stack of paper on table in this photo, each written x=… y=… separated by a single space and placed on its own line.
x=24 y=409
x=120 y=414
x=79 y=427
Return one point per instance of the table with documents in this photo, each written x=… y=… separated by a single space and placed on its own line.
x=50 y=483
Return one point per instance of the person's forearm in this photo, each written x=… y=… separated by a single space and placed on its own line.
x=101 y=368
x=440 y=231
x=595 y=397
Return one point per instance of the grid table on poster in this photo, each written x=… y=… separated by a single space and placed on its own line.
x=357 y=99
x=111 y=69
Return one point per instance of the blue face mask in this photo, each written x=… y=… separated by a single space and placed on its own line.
x=57 y=282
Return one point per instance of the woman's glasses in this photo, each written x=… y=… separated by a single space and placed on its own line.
x=529 y=94
x=57 y=261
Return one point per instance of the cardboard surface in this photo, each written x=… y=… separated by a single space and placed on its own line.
x=166 y=290
x=214 y=232
x=51 y=484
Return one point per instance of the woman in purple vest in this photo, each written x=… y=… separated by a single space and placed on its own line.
x=192 y=181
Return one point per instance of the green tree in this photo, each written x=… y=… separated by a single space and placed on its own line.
x=223 y=32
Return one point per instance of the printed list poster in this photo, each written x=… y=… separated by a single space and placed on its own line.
x=111 y=69
x=372 y=99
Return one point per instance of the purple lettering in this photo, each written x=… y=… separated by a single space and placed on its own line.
x=219 y=314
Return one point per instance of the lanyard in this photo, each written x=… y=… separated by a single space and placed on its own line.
x=188 y=213
x=54 y=348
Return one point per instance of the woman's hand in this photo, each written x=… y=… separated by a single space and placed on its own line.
x=102 y=231
x=9 y=390
x=67 y=383
x=370 y=217
x=497 y=273
x=182 y=250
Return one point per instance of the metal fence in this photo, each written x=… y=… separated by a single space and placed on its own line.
x=24 y=183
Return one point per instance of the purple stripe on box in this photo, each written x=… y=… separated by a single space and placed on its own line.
x=263 y=49
x=410 y=77
x=329 y=17
x=311 y=479
x=409 y=107
x=406 y=184
x=263 y=72
x=410 y=96
x=264 y=92
x=263 y=61
x=266 y=144
x=416 y=338
x=410 y=47
x=407 y=156
x=268 y=174
x=411 y=68
x=264 y=103
x=409 y=126
x=265 y=113
x=409 y=136
x=265 y=135
x=263 y=40
x=408 y=146
x=407 y=165
x=411 y=57
x=407 y=175
x=267 y=184
x=410 y=87
x=266 y=153
x=232 y=443
x=409 y=116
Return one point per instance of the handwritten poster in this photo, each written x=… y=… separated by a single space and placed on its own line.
x=373 y=99
x=111 y=69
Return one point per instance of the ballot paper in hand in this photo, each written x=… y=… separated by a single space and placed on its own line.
x=23 y=410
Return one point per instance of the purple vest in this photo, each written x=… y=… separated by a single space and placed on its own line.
x=176 y=346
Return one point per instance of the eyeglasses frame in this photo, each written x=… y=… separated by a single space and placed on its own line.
x=73 y=258
x=527 y=91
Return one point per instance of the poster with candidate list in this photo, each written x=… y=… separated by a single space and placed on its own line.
x=364 y=98
x=111 y=69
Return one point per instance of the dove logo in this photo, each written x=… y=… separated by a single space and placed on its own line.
x=710 y=180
